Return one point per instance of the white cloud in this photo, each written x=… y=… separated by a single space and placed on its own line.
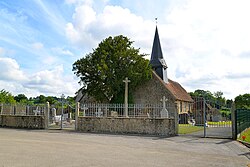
x=209 y=42
x=53 y=82
x=88 y=28
x=10 y=70
x=48 y=82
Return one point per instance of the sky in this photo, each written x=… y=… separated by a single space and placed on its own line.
x=205 y=43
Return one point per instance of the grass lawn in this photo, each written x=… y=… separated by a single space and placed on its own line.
x=245 y=133
x=186 y=128
x=219 y=123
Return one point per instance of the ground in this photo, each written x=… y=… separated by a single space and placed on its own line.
x=40 y=148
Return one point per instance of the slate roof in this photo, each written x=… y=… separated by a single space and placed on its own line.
x=176 y=89
x=156 y=59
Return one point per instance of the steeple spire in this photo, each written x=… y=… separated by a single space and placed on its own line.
x=157 y=61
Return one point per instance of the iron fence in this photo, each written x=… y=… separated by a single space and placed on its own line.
x=242 y=117
x=21 y=109
x=134 y=110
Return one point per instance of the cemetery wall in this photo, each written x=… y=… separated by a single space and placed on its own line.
x=16 y=121
x=146 y=126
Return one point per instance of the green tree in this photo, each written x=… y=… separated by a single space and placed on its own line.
x=21 y=98
x=202 y=93
x=219 y=98
x=51 y=99
x=39 y=99
x=229 y=103
x=6 y=97
x=243 y=101
x=102 y=72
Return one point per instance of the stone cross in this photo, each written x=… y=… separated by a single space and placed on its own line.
x=164 y=112
x=126 y=96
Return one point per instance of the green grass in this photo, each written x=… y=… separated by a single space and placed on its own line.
x=245 y=133
x=219 y=123
x=186 y=128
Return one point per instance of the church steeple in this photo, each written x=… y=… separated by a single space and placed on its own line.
x=157 y=61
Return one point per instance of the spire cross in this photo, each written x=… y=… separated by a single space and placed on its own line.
x=156 y=20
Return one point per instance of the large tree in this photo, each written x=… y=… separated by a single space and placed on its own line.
x=243 y=101
x=102 y=72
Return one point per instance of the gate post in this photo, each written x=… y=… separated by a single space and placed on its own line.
x=234 y=123
x=76 y=115
x=1 y=109
x=176 y=119
x=46 y=116
x=204 y=115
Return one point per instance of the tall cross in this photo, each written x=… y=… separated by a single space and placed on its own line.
x=126 y=96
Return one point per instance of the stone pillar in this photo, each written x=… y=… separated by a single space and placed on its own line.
x=76 y=115
x=233 y=119
x=46 y=116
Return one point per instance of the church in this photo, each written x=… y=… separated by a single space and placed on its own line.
x=152 y=91
x=160 y=85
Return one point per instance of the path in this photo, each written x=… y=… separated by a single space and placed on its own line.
x=34 y=148
x=214 y=132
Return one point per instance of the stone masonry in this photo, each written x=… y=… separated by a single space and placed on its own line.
x=29 y=122
x=151 y=92
x=146 y=126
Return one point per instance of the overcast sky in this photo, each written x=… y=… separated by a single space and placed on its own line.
x=206 y=43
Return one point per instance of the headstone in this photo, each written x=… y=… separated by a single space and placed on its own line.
x=164 y=111
x=99 y=113
x=53 y=112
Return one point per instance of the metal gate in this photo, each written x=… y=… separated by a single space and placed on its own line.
x=61 y=117
x=206 y=118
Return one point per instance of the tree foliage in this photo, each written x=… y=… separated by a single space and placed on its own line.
x=6 y=97
x=243 y=101
x=21 y=98
x=102 y=72
x=215 y=99
x=202 y=93
x=219 y=98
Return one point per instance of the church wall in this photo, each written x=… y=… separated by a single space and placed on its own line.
x=183 y=107
x=152 y=92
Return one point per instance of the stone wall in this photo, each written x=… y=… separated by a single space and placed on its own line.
x=151 y=92
x=29 y=122
x=158 y=127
